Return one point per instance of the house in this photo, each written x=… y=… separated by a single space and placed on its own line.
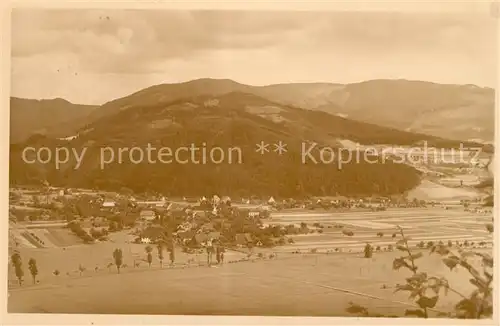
x=151 y=203
x=253 y=214
x=147 y=214
x=108 y=204
x=207 y=227
x=271 y=201
x=243 y=239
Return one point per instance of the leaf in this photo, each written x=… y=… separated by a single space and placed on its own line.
x=419 y=278
x=468 y=306
x=446 y=286
x=433 y=249
x=356 y=309
x=488 y=276
x=418 y=255
x=442 y=250
x=398 y=263
x=489 y=227
x=401 y=248
x=426 y=302
x=465 y=254
x=415 y=312
x=400 y=243
x=450 y=262
x=434 y=284
x=474 y=272
x=404 y=287
x=487 y=259
x=415 y=293
x=477 y=283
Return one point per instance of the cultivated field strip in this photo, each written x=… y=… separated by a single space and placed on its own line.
x=426 y=224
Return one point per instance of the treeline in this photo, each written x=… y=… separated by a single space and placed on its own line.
x=257 y=175
x=225 y=127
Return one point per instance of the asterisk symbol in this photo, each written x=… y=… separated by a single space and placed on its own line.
x=262 y=148
x=280 y=147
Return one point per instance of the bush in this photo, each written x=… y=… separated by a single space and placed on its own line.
x=425 y=289
x=76 y=228
x=368 y=251
x=348 y=233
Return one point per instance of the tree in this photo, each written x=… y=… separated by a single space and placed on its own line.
x=172 y=255
x=160 y=254
x=81 y=269
x=149 y=251
x=368 y=251
x=118 y=257
x=18 y=266
x=425 y=290
x=33 y=269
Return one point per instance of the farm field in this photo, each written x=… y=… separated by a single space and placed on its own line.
x=419 y=224
x=314 y=285
x=95 y=259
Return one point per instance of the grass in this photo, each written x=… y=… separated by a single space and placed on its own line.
x=302 y=285
x=311 y=284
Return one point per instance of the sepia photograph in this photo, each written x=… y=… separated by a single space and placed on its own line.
x=210 y=162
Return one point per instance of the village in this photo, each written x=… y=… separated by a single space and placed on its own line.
x=189 y=223
x=60 y=236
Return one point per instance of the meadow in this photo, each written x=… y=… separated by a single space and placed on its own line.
x=316 y=283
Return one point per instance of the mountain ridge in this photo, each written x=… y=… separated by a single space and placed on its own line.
x=442 y=110
x=417 y=107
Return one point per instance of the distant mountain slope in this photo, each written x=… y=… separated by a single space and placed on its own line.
x=232 y=120
x=449 y=111
x=57 y=117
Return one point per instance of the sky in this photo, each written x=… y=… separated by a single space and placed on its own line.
x=95 y=56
